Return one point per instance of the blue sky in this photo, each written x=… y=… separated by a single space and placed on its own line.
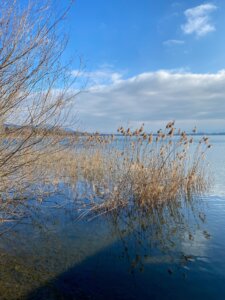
x=133 y=35
x=149 y=61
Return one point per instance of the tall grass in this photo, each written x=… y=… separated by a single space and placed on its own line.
x=106 y=173
x=135 y=168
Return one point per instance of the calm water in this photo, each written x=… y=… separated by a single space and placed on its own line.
x=128 y=256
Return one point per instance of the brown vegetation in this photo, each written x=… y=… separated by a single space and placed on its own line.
x=35 y=94
x=137 y=169
x=107 y=172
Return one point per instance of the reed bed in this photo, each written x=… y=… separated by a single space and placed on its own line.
x=134 y=168
x=106 y=173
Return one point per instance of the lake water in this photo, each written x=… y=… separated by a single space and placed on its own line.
x=128 y=256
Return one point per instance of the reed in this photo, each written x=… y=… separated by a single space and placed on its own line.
x=136 y=168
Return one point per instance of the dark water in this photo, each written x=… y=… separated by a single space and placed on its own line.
x=177 y=254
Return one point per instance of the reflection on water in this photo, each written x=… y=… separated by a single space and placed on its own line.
x=159 y=230
x=46 y=259
x=173 y=251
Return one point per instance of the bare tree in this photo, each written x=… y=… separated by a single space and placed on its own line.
x=35 y=95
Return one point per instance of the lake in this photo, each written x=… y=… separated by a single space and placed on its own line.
x=129 y=255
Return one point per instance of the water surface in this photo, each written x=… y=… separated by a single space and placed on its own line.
x=127 y=256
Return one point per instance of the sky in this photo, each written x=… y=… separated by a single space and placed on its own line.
x=149 y=62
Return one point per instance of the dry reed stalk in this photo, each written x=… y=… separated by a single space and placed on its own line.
x=116 y=172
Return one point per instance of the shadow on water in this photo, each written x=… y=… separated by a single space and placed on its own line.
x=162 y=252
x=94 y=280
x=147 y=255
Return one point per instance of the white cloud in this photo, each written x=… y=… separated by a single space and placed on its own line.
x=154 y=98
x=100 y=77
x=173 y=42
x=198 y=20
x=198 y=247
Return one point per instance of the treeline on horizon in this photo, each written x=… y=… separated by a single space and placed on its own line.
x=13 y=129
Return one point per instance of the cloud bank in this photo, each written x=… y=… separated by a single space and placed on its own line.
x=154 y=98
x=198 y=20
